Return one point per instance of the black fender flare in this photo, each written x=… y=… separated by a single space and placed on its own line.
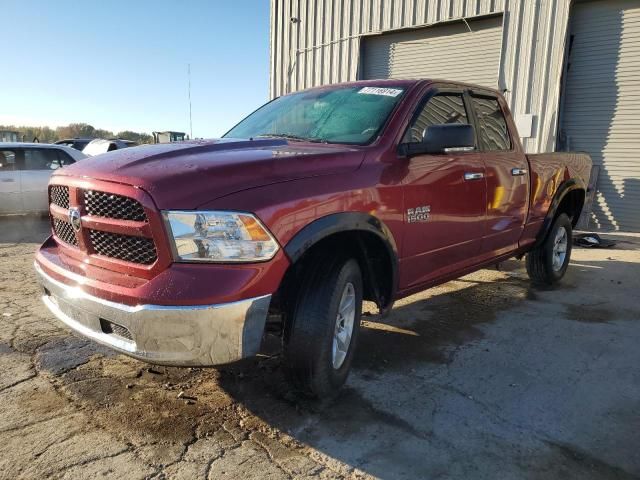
x=562 y=191
x=334 y=223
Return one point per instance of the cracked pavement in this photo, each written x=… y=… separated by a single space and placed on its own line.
x=483 y=377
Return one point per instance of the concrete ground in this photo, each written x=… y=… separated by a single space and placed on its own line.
x=482 y=378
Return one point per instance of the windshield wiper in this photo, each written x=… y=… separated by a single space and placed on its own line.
x=286 y=136
x=289 y=136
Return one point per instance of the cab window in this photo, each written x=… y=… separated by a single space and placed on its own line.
x=440 y=109
x=493 y=132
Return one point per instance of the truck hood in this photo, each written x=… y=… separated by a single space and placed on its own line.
x=189 y=174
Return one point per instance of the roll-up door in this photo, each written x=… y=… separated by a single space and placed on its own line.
x=601 y=105
x=464 y=52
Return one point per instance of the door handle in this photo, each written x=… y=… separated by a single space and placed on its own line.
x=473 y=175
x=516 y=172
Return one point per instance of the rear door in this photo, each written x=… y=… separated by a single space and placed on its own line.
x=444 y=196
x=10 y=198
x=507 y=176
x=39 y=163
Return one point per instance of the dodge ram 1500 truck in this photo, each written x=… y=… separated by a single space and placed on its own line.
x=185 y=254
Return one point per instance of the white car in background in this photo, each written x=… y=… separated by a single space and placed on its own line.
x=98 y=146
x=25 y=169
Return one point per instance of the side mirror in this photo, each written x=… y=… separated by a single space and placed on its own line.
x=450 y=137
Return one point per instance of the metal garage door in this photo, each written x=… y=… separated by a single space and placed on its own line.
x=601 y=105
x=466 y=52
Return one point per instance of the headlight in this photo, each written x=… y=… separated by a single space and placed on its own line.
x=219 y=237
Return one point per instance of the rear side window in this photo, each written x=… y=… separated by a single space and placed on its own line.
x=492 y=126
x=41 y=159
x=8 y=161
x=440 y=109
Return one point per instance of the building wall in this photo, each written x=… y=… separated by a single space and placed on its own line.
x=322 y=45
x=532 y=63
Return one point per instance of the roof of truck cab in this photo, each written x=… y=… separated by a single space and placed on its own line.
x=394 y=82
x=404 y=83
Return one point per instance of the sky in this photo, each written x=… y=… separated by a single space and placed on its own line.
x=122 y=65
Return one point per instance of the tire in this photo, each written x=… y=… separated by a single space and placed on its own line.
x=545 y=264
x=309 y=359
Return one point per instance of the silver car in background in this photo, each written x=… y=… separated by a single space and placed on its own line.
x=25 y=169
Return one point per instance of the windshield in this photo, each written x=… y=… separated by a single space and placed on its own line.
x=353 y=115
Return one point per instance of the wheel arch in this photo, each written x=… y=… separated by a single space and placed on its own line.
x=365 y=236
x=569 y=199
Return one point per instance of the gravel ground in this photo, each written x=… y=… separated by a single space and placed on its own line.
x=484 y=377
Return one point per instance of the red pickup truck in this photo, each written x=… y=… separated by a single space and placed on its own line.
x=187 y=253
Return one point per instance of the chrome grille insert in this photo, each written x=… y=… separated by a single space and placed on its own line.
x=59 y=195
x=110 y=205
x=64 y=232
x=123 y=247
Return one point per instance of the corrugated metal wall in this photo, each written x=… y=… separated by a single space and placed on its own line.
x=601 y=111
x=532 y=61
x=322 y=45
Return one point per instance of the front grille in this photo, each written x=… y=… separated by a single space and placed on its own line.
x=59 y=195
x=123 y=247
x=118 y=209
x=110 y=205
x=64 y=231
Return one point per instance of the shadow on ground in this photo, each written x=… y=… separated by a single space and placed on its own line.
x=24 y=229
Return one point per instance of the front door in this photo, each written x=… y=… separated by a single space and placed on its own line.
x=39 y=164
x=10 y=197
x=444 y=198
x=507 y=177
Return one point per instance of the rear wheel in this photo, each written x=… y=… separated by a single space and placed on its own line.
x=322 y=330
x=548 y=262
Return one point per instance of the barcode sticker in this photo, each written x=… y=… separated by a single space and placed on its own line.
x=389 y=92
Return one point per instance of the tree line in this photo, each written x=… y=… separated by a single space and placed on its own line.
x=73 y=130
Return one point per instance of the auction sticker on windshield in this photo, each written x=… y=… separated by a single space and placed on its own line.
x=389 y=92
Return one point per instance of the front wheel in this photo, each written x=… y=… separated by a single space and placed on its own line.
x=323 y=328
x=548 y=262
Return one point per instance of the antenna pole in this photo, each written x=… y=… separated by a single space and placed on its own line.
x=190 y=118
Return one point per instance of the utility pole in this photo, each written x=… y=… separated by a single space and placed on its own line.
x=190 y=118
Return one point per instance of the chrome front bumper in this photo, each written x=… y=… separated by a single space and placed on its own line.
x=200 y=335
